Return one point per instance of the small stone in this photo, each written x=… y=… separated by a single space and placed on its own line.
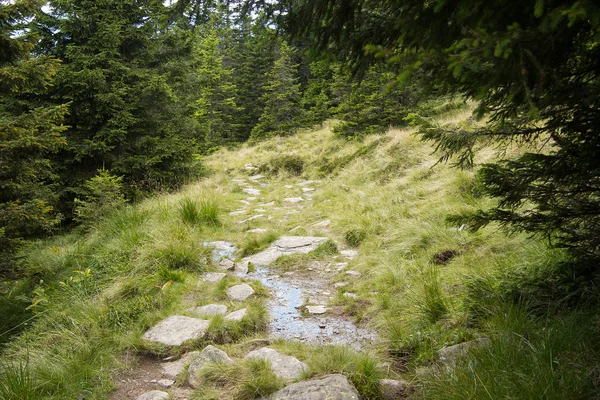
x=210 y=354
x=226 y=265
x=270 y=204
x=257 y=230
x=251 y=191
x=238 y=212
x=213 y=277
x=256 y=177
x=310 y=268
x=210 y=309
x=448 y=355
x=340 y=266
x=238 y=181
x=252 y=218
x=322 y=224
x=288 y=186
x=349 y=253
x=352 y=273
x=340 y=284
x=295 y=229
x=174 y=368
x=285 y=367
x=293 y=199
x=240 y=292
x=250 y=167
x=306 y=190
x=236 y=315
x=326 y=293
x=154 y=395
x=331 y=387
x=394 y=389
x=176 y=329
x=241 y=268
x=165 y=382
x=245 y=202
x=322 y=326
x=250 y=198
x=305 y=183
x=351 y=295
x=316 y=309
x=261 y=210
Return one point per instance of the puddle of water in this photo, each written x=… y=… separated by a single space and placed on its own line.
x=284 y=308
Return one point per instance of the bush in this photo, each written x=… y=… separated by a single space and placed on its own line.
x=205 y=212
x=291 y=164
x=355 y=236
x=103 y=194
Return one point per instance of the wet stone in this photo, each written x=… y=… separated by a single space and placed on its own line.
x=176 y=329
x=285 y=367
x=236 y=315
x=286 y=245
x=319 y=309
x=154 y=395
x=240 y=292
x=332 y=387
x=226 y=265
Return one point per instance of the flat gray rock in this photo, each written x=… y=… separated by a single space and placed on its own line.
x=256 y=177
x=322 y=224
x=236 y=315
x=448 y=355
x=331 y=387
x=286 y=245
x=352 y=273
x=176 y=329
x=166 y=382
x=316 y=309
x=174 y=368
x=285 y=367
x=241 y=268
x=154 y=395
x=349 y=253
x=238 y=212
x=257 y=230
x=213 y=277
x=210 y=309
x=252 y=218
x=394 y=389
x=269 y=204
x=240 y=292
x=251 y=191
x=209 y=355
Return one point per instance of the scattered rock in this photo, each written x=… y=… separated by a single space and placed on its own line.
x=154 y=395
x=393 y=389
x=351 y=295
x=238 y=212
x=257 y=230
x=245 y=202
x=293 y=199
x=240 y=292
x=226 y=265
x=349 y=253
x=256 y=177
x=165 y=382
x=306 y=190
x=252 y=218
x=213 y=277
x=210 y=354
x=255 y=342
x=250 y=167
x=261 y=210
x=448 y=355
x=236 y=315
x=340 y=284
x=176 y=329
x=285 y=367
x=210 y=309
x=251 y=191
x=322 y=224
x=286 y=245
x=270 y=204
x=320 y=309
x=308 y=196
x=241 y=268
x=288 y=186
x=174 y=368
x=250 y=198
x=341 y=266
x=238 y=181
x=331 y=387
x=352 y=273
x=305 y=183
x=295 y=229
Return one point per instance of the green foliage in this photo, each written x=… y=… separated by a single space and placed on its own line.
x=203 y=212
x=253 y=244
x=16 y=382
x=289 y=163
x=103 y=194
x=31 y=132
x=355 y=236
x=281 y=113
x=433 y=304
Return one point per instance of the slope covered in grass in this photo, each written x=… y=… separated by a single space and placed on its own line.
x=424 y=284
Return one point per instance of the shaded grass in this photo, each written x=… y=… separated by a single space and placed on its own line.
x=252 y=244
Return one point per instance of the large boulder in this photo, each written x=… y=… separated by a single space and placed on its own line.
x=331 y=387
x=176 y=329
x=209 y=355
x=286 y=245
x=210 y=309
x=173 y=368
x=240 y=292
x=449 y=355
x=286 y=367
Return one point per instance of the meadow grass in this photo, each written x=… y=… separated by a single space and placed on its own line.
x=425 y=284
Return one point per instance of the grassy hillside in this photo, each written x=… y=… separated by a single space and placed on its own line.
x=76 y=322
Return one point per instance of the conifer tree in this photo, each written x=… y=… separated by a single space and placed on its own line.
x=216 y=108
x=282 y=111
x=316 y=98
x=30 y=132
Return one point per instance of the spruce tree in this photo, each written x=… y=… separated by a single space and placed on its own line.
x=282 y=112
x=30 y=132
x=216 y=108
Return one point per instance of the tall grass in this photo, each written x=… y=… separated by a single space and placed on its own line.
x=199 y=212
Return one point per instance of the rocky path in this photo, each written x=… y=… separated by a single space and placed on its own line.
x=299 y=307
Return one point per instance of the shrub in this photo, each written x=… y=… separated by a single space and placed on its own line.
x=205 y=212
x=355 y=236
x=289 y=163
x=103 y=194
